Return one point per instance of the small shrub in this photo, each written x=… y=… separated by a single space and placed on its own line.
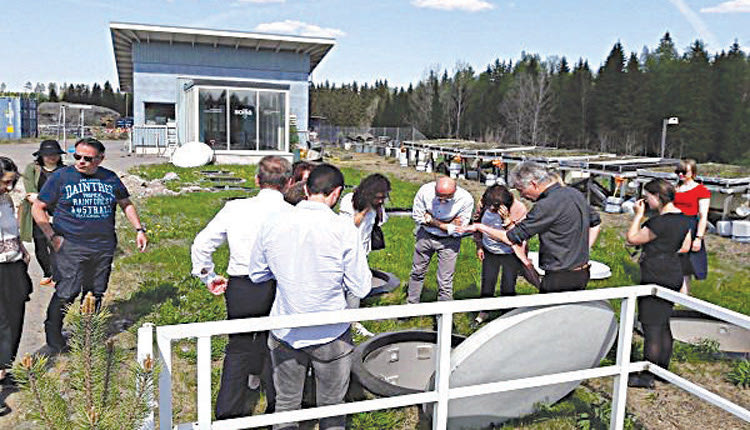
x=740 y=374
x=703 y=350
x=98 y=393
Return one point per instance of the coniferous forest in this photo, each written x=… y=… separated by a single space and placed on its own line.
x=618 y=108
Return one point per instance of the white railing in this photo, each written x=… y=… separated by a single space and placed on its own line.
x=442 y=393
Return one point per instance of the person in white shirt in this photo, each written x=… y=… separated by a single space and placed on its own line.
x=365 y=208
x=239 y=222
x=15 y=285
x=315 y=256
x=439 y=207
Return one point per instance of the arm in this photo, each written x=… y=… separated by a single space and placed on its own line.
x=39 y=212
x=206 y=243
x=595 y=222
x=132 y=215
x=29 y=182
x=419 y=208
x=703 y=205
x=357 y=275
x=636 y=234
x=686 y=243
x=260 y=271
x=539 y=219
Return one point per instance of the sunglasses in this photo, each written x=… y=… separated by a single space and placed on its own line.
x=85 y=158
x=680 y=171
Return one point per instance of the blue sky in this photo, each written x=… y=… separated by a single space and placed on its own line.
x=397 y=40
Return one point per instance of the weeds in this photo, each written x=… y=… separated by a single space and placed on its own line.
x=740 y=374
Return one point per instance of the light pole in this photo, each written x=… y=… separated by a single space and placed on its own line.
x=667 y=121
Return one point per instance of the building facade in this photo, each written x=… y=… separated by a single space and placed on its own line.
x=235 y=91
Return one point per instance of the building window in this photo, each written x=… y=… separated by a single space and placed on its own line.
x=242 y=119
x=159 y=113
x=212 y=118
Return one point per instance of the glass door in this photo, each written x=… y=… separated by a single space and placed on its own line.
x=243 y=117
x=212 y=118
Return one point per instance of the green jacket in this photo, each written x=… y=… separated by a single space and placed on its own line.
x=25 y=220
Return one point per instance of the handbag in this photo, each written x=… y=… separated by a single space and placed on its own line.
x=377 y=239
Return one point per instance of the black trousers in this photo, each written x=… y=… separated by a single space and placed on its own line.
x=491 y=270
x=43 y=251
x=79 y=268
x=15 y=287
x=246 y=354
x=565 y=280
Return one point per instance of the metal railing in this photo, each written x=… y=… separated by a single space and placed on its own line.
x=149 y=136
x=443 y=393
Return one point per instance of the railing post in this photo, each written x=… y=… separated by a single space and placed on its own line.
x=204 y=382
x=165 y=382
x=624 y=341
x=442 y=371
x=146 y=350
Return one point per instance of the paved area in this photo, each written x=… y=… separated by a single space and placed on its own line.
x=116 y=159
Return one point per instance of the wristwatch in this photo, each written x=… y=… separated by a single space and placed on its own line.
x=140 y=230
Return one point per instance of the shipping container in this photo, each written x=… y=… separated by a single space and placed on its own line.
x=10 y=118
x=29 y=119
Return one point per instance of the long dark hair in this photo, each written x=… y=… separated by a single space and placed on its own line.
x=368 y=190
x=7 y=165
x=494 y=196
x=39 y=161
x=663 y=190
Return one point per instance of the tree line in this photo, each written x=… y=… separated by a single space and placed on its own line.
x=96 y=94
x=618 y=108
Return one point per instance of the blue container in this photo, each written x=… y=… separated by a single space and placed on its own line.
x=29 y=117
x=10 y=118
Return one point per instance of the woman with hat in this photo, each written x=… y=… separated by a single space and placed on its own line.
x=48 y=160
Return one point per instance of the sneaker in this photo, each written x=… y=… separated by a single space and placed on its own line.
x=481 y=317
x=4 y=409
x=47 y=282
x=8 y=381
x=361 y=330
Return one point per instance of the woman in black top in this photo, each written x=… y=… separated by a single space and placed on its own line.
x=663 y=236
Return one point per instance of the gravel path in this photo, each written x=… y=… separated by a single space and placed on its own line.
x=33 y=330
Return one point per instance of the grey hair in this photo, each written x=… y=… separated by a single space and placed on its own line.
x=528 y=171
x=274 y=172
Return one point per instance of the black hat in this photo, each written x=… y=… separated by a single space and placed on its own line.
x=48 y=147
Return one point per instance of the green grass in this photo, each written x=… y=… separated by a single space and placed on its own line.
x=164 y=292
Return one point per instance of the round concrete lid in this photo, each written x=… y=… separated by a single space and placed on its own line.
x=731 y=338
x=524 y=343
x=598 y=270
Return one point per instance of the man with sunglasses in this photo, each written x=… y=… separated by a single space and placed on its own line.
x=82 y=198
x=440 y=207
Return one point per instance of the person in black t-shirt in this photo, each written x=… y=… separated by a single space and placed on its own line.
x=83 y=198
x=663 y=237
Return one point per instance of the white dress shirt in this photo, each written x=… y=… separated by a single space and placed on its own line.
x=238 y=222
x=462 y=205
x=346 y=208
x=314 y=255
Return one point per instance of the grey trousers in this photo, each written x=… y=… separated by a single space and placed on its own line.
x=447 y=249
x=332 y=363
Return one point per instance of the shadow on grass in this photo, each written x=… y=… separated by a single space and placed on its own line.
x=143 y=301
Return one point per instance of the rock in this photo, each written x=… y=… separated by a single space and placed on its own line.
x=170 y=176
x=192 y=154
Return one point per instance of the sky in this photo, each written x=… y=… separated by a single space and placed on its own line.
x=395 y=40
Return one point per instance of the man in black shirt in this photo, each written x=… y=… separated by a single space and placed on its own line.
x=566 y=224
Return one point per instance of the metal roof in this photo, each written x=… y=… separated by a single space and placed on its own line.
x=125 y=34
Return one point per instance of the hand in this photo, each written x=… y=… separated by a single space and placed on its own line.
x=26 y=257
x=640 y=207
x=504 y=214
x=471 y=228
x=31 y=197
x=457 y=221
x=57 y=242
x=217 y=286
x=141 y=241
x=480 y=254
x=697 y=242
x=427 y=218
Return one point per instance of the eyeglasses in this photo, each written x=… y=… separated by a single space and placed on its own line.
x=85 y=158
x=680 y=171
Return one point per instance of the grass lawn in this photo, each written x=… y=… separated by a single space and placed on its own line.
x=156 y=286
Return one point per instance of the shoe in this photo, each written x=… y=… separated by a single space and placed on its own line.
x=361 y=330
x=639 y=380
x=481 y=317
x=47 y=282
x=4 y=409
x=9 y=381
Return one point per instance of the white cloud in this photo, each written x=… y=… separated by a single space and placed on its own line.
x=464 y=5
x=696 y=22
x=732 y=6
x=299 y=28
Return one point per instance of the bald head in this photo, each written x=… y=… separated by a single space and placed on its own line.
x=445 y=188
